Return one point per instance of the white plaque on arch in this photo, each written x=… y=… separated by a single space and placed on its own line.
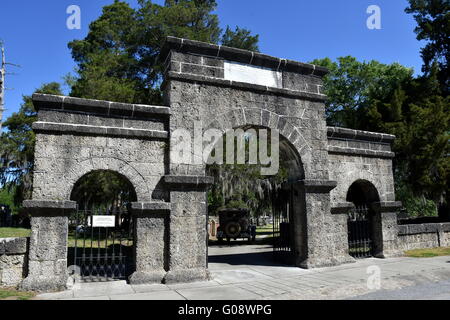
x=240 y=72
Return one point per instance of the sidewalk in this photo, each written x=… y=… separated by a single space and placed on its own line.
x=250 y=281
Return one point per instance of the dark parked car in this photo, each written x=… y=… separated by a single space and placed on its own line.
x=5 y=216
x=235 y=224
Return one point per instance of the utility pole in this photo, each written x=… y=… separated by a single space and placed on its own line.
x=3 y=74
x=2 y=86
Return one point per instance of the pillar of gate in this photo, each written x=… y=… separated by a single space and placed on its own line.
x=150 y=241
x=386 y=229
x=323 y=240
x=188 y=247
x=47 y=260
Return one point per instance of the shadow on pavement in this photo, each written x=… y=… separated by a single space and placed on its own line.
x=251 y=259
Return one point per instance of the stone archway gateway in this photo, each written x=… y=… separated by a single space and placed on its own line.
x=222 y=88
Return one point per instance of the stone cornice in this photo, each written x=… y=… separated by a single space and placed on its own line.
x=361 y=152
x=49 y=207
x=411 y=229
x=171 y=75
x=344 y=133
x=388 y=206
x=239 y=55
x=69 y=128
x=317 y=186
x=98 y=107
x=342 y=208
x=148 y=208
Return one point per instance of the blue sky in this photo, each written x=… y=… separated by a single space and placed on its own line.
x=36 y=37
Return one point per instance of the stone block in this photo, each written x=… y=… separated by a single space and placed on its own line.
x=10 y=246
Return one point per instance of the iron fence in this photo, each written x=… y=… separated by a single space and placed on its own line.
x=101 y=244
x=282 y=226
x=360 y=232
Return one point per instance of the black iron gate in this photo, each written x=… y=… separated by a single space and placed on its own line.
x=282 y=205
x=101 y=245
x=360 y=232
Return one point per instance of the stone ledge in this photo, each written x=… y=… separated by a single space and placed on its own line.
x=317 y=186
x=10 y=246
x=239 y=55
x=47 y=101
x=49 y=207
x=188 y=180
x=361 y=152
x=245 y=86
x=342 y=208
x=345 y=133
x=99 y=131
x=412 y=229
x=388 y=206
x=150 y=207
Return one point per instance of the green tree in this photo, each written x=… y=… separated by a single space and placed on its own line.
x=103 y=190
x=419 y=116
x=240 y=38
x=17 y=147
x=118 y=59
x=433 y=26
x=386 y=98
x=243 y=185
x=7 y=198
x=353 y=86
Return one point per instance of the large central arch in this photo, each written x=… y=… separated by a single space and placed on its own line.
x=289 y=159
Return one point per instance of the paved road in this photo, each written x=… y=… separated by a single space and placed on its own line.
x=431 y=291
x=247 y=272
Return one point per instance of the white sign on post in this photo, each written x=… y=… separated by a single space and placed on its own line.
x=103 y=221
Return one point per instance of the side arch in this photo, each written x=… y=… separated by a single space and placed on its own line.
x=109 y=164
x=362 y=192
x=347 y=178
x=364 y=221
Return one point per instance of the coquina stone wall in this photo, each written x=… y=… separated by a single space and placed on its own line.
x=75 y=137
x=366 y=157
x=359 y=155
x=13 y=261
x=423 y=236
x=219 y=88
x=197 y=89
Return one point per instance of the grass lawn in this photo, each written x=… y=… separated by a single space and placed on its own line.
x=14 y=233
x=428 y=253
x=265 y=230
x=95 y=243
x=13 y=294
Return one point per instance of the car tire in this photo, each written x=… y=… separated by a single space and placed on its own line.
x=233 y=230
